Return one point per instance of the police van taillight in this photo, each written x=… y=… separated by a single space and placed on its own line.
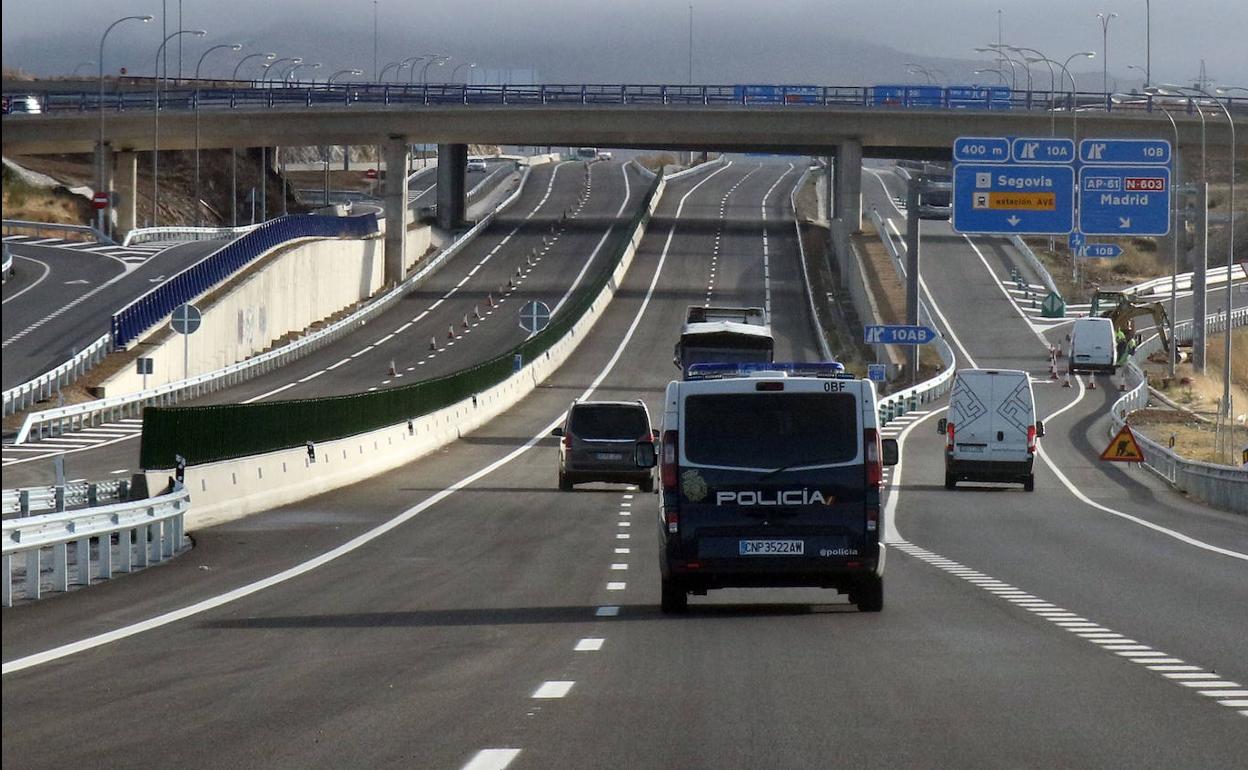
x=949 y=436
x=871 y=451
x=669 y=466
x=567 y=440
x=1031 y=439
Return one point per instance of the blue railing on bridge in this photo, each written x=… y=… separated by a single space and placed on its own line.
x=156 y=305
x=882 y=96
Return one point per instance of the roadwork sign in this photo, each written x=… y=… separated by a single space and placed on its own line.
x=1123 y=448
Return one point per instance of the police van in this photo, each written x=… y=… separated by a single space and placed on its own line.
x=771 y=476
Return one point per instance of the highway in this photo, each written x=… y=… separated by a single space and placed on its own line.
x=415 y=334
x=507 y=624
x=64 y=298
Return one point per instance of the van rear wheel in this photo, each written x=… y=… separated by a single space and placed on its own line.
x=565 y=484
x=675 y=599
x=950 y=480
x=1029 y=483
x=869 y=594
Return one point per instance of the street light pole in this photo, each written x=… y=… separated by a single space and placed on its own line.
x=267 y=56
x=1148 y=44
x=1104 y=19
x=156 y=120
x=330 y=81
x=375 y=38
x=195 y=96
x=436 y=59
x=106 y=213
x=458 y=67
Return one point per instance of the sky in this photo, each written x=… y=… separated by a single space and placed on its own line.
x=826 y=42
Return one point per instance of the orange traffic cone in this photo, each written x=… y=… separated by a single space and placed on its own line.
x=1066 y=382
x=393 y=371
x=489 y=300
x=465 y=320
x=1092 y=382
x=450 y=332
x=433 y=343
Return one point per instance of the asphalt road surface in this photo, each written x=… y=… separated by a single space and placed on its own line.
x=503 y=623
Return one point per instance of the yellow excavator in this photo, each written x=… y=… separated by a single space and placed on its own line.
x=1119 y=308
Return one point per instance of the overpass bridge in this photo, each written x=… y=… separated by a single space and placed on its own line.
x=844 y=124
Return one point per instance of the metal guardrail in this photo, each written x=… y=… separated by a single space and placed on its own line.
x=1221 y=486
x=886 y=97
x=43 y=228
x=148 y=310
x=27 y=500
x=147 y=532
x=1182 y=281
x=154 y=234
x=49 y=383
x=1035 y=263
x=908 y=400
x=825 y=350
x=53 y=422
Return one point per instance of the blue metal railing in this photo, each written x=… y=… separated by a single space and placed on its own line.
x=881 y=96
x=156 y=305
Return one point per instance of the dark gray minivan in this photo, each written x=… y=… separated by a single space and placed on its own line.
x=599 y=440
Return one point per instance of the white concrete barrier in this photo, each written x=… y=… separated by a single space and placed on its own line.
x=230 y=489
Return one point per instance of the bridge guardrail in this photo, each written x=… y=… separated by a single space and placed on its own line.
x=148 y=532
x=152 y=234
x=1213 y=276
x=148 y=310
x=1221 y=486
x=45 y=385
x=24 y=501
x=43 y=228
x=884 y=97
x=53 y=422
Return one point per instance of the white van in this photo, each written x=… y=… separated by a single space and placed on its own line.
x=991 y=431
x=1092 y=346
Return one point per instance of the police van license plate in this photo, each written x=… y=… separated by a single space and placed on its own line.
x=609 y=455
x=770 y=547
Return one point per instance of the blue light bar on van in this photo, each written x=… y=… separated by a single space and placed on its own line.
x=745 y=369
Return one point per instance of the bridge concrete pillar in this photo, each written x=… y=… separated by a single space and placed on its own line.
x=452 y=162
x=395 y=152
x=827 y=190
x=847 y=184
x=124 y=185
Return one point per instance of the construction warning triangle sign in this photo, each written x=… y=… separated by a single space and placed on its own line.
x=1123 y=448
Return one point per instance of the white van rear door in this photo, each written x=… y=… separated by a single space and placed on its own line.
x=1012 y=414
x=970 y=412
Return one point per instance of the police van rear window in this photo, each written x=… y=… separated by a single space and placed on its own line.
x=602 y=421
x=771 y=430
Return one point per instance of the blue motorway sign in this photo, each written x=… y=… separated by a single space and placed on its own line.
x=981 y=149
x=877 y=372
x=1124 y=200
x=1075 y=241
x=898 y=335
x=1102 y=251
x=1133 y=152
x=978 y=97
x=1017 y=199
x=1043 y=150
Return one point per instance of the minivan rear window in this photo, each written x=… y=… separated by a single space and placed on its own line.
x=771 y=430
x=607 y=421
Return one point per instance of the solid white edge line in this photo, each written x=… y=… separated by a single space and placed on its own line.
x=46 y=270
x=91 y=642
x=492 y=759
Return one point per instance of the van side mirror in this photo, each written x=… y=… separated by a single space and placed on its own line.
x=644 y=455
x=676 y=361
x=942 y=425
x=1039 y=428
x=889 y=450
x=557 y=431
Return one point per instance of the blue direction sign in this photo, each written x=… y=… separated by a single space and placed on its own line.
x=981 y=149
x=898 y=335
x=1022 y=199
x=1102 y=251
x=1075 y=241
x=876 y=372
x=1133 y=152
x=1043 y=150
x=1124 y=200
